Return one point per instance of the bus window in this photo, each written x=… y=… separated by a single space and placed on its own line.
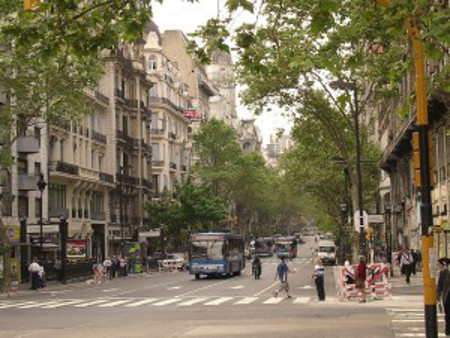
x=211 y=250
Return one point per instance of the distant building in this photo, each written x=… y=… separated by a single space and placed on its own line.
x=277 y=146
x=250 y=138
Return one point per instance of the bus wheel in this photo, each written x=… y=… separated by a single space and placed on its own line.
x=197 y=276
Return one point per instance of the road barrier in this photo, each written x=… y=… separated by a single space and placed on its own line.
x=378 y=284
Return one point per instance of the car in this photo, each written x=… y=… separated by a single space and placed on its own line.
x=174 y=261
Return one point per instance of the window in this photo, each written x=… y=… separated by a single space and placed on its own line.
x=61 y=150
x=57 y=196
x=37 y=207
x=37 y=168
x=101 y=161
x=155 y=151
x=155 y=183
x=75 y=159
x=22 y=166
x=93 y=159
x=152 y=63
x=23 y=206
x=153 y=92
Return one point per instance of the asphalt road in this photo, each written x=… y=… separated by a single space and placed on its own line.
x=176 y=305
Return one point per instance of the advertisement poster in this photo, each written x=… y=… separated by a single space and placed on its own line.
x=13 y=233
x=76 y=249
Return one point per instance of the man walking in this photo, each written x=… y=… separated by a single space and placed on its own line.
x=34 y=270
x=282 y=275
x=443 y=292
x=406 y=261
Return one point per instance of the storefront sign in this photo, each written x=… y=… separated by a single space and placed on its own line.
x=76 y=249
x=14 y=233
x=46 y=229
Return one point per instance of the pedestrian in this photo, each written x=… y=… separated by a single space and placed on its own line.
x=443 y=291
x=123 y=266
x=360 y=281
x=115 y=267
x=419 y=260
x=414 y=262
x=319 y=278
x=33 y=269
x=282 y=275
x=406 y=261
x=41 y=275
x=349 y=272
x=107 y=264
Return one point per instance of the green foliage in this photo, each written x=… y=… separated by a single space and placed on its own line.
x=192 y=207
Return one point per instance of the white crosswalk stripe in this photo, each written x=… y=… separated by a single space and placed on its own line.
x=115 y=303
x=192 y=301
x=246 y=300
x=167 y=301
x=219 y=301
x=142 y=302
x=273 y=300
x=409 y=322
x=177 y=301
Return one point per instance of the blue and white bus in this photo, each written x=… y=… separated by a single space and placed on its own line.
x=216 y=254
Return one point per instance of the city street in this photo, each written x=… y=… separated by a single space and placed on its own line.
x=174 y=304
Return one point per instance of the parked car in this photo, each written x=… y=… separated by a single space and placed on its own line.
x=174 y=261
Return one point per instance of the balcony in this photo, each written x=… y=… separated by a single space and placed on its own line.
x=163 y=100
x=129 y=141
x=106 y=177
x=157 y=131
x=96 y=136
x=158 y=164
x=57 y=212
x=126 y=179
x=132 y=103
x=28 y=182
x=102 y=98
x=98 y=215
x=66 y=168
x=120 y=94
x=173 y=166
x=28 y=144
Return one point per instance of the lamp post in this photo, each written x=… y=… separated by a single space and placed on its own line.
x=41 y=184
x=388 y=235
x=351 y=86
x=121 y=170
x=342 y=237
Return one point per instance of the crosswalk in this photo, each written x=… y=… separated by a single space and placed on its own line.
x=105 y=303
x=409 y=322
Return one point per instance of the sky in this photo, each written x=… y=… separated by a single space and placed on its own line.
x=186 y=16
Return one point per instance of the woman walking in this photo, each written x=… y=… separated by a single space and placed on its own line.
x=319 y=278
x=360 y=282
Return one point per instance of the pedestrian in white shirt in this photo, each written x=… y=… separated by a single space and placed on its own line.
x=107 y=264
x=41 y=274
x=33 y=269
x=406 y=260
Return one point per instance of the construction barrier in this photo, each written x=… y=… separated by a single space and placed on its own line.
x=378 y=284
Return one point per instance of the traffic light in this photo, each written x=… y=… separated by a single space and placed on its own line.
x=416 y=158
x=30 y=5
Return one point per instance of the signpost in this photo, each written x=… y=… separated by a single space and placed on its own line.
x=356 y=220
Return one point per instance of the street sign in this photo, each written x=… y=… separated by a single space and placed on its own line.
x=357 y=222
x=46 y=229
x=376 y=218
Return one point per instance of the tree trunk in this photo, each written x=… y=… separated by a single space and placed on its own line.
x=4 y=246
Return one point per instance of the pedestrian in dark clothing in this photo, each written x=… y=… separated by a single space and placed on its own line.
x=406 y=262
x=115 y=267
x=319 y=278
x=414 y=262
x=443 y=292
x=360 y=281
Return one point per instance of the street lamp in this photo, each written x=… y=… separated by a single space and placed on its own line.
x=351 y=86
x=343 y=242
x=388 y=235
x=41 y=184
x=121 y=169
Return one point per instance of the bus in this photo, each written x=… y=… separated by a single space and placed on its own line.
x=263 y=247
x=216 y=254
x=286 y=247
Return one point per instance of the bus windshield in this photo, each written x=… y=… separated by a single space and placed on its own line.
x=209 y=250
x=326 y=249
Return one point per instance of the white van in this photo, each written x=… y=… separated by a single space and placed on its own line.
x=327 y=252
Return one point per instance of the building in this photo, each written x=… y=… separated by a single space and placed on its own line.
x=276 y=147
x=250 y=136
x=169 y=100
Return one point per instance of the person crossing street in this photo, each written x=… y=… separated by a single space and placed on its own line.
x=282 y=275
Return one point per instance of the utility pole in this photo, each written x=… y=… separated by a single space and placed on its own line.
x=422 y=143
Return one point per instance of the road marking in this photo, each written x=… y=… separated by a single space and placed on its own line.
x=237 y=287
x=246 y=300
x=95 y=302
x=418 y=320
x=301 y=300
x=6 y=306
x=193 y=301
x=142 y=302
x=110 y=290
x=219 y=301
x=61 y=304
x=117 y=302
x=405 y=310
x=416 y=335
x=38 y=304
x=167 y=301
x=174 y=288
x=264 y=290
x=305 y=287
x=273 y=300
